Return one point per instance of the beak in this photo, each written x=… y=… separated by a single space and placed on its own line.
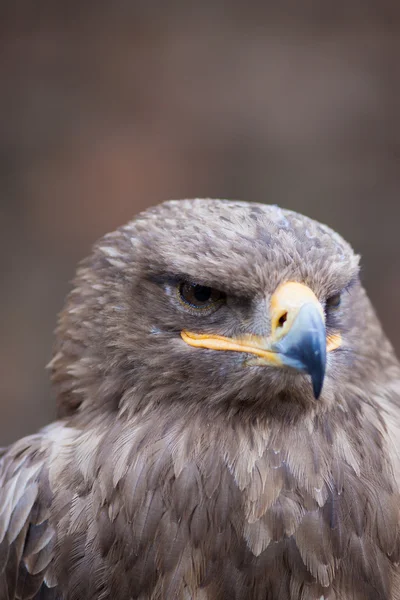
x=298 y=336
x=304 y=347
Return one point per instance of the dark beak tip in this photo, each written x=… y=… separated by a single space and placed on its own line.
x=316 y=369
x=317 y=383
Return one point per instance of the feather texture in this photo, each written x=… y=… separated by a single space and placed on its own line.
x=179 y=473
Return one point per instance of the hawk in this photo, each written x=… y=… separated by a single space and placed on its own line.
x=228 y=422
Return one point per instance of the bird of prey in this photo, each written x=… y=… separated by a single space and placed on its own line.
x=228 y=422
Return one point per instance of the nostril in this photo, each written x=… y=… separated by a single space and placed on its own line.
x=282 y=319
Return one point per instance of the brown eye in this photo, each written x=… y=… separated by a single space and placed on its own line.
x=334 y=301
x=199 y=296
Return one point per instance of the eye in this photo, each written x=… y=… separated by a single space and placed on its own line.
x=334 y=301
x=200 y=297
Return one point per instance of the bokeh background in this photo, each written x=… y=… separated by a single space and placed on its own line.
x=109 y=107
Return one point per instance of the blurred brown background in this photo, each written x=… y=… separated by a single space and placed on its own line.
x=109 y=107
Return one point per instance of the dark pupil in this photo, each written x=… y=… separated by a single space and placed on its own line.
x=201 y=293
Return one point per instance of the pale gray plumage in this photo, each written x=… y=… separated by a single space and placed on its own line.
x=190 y=473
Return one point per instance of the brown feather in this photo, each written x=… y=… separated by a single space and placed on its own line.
x=176 y=472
